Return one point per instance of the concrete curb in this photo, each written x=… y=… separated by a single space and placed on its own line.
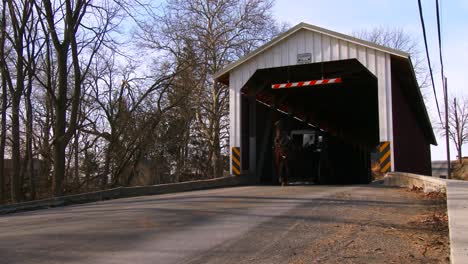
x=403 y=179
x=124 y=192
x=457 y=207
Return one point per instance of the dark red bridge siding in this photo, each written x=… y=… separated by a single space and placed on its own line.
x=411 y=147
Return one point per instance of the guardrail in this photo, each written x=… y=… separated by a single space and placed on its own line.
x=123 y=192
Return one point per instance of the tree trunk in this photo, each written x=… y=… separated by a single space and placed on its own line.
x=59 y=144
x=460 y=155
x=3 y=140
x=86 y=167
x=59 y=154
x=4 y=106
x=29 y=135
x=216 y=131
x=76 y=159
x=458 y=132
x=15 y=182
x=107 y=164
x=60 y=107
x=216 y=151
x=16 y=92
x=59 y=168
x=46 y=150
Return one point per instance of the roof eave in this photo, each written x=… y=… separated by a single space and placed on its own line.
x=259 y=50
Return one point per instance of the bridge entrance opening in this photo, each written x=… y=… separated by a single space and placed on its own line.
x=333 y=125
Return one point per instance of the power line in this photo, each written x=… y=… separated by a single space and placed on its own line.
x=440 y=43
x=428 y=59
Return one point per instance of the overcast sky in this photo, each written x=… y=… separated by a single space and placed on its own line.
x=346 y=16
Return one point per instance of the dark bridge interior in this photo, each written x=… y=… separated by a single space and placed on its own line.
x=347 y=113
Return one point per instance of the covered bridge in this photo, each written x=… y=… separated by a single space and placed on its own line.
x=363 y=96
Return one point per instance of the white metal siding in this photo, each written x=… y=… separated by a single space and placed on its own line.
x=323 y=48
x=317 y=46
x=301 y=43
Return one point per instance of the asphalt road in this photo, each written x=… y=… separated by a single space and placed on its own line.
x=258 y=224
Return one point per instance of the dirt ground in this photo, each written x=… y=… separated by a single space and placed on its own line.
x=386 y=234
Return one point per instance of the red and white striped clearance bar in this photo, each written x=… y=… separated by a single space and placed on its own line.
x=305 y=83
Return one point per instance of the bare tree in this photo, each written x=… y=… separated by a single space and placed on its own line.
x=70 y=41
x=32 y=51
x=20 y=15
x=3 y=108
x=397 y=38
x=76 y=103
x=72 y=16
x=44 y=114
x=125 y=103
x=218 y=32
x=458 y=125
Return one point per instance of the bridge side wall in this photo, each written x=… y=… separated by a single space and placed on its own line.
x=411 y=148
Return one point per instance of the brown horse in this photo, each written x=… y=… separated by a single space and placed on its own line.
x=281 y=145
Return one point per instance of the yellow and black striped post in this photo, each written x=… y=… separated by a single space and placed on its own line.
x=235 y=163
x=384 y=157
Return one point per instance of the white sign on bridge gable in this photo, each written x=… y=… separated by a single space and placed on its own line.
x=304 y=58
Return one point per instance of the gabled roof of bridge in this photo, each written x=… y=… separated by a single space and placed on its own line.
x=313 y=28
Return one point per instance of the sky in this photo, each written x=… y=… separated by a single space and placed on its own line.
x=348 y=16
